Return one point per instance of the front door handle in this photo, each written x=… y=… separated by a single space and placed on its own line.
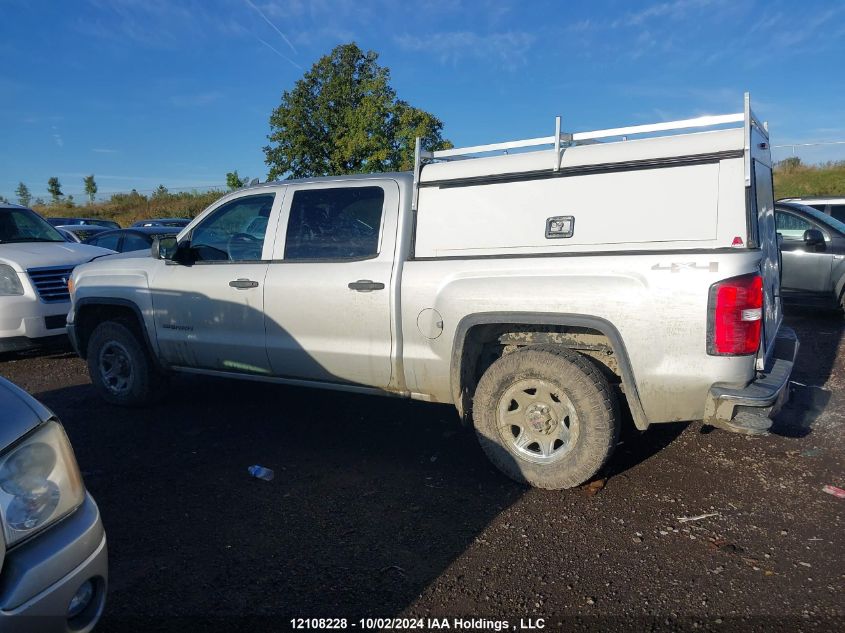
x=366 y=285
x=243 y=284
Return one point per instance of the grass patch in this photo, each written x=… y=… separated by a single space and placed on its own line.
x=794 y=179
x=126 y=208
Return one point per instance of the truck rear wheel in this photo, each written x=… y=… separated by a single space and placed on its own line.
x=546 y=416
x=121 y=369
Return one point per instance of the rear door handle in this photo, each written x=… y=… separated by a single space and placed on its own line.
x=366 y=285
x=243 y=284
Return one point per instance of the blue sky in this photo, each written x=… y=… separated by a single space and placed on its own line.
x=149 y=92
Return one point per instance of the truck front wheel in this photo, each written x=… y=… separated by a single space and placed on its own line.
x=121 y=370
x=546 y=416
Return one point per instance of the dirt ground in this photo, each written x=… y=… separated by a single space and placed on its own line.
x=383 y=508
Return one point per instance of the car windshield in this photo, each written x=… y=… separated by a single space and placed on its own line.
x=824 y=218
x=22 y=225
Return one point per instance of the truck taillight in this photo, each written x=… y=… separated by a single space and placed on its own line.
x=735 y=316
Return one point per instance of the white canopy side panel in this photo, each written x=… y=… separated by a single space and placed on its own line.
x=612 y=211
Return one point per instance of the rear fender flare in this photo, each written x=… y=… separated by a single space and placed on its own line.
x=543 y=318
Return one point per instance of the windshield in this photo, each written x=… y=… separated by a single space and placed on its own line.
x=23 y=225
x=824 y=218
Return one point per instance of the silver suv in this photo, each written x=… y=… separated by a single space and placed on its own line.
x=53 y=557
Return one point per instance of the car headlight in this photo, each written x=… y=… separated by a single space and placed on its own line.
x=10 y=283
x=39 y=483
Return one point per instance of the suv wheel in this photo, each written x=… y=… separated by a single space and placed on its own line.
x=546 y=416
x=120 y=367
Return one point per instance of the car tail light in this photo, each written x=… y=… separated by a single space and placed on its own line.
x=735 y=316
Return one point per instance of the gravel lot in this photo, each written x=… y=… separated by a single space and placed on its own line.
x=382 y=507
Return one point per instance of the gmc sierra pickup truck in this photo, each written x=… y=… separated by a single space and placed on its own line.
x=538 y=291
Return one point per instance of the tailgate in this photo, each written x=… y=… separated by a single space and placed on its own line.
x=762 y=214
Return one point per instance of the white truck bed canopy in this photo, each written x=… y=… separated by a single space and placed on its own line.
x=677 y=185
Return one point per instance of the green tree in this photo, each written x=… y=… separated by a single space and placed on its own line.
x=54 y=188
x=161 y=192
x=90 y=188
x=343 y=117
x=233 y=181
x=39 y=202
x=22 y=192
x=4 y=200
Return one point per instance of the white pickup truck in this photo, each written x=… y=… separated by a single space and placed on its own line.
x=538 y=291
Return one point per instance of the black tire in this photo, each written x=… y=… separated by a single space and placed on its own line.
x=144 y=385
x=585 y=394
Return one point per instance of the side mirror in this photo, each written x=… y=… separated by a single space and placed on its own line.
x=164 y=247
x=813 y=238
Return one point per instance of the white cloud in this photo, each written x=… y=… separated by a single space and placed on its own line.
x=32 y=118
x=509 y=48
x=104 y=150
x=157 y=23
x=676 y=10
x=804 y=30
x=57 y=138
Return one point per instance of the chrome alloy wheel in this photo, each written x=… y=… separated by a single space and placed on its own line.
x=537 y=421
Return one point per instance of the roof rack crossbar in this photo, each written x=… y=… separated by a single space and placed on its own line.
x=493 y=147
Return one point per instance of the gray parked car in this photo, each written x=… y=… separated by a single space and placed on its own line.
x=107 y=224
x=173 y=222
x=813 y=251
x=830 y=205
x=81 y=232
x=53 y=557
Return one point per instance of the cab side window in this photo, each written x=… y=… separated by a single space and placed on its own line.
x=341 y=223
x=791 y=226
x=234 y=232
